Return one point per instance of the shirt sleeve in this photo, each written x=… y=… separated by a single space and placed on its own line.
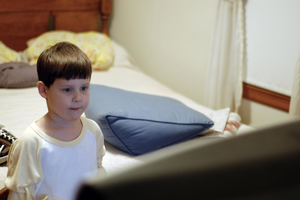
x=24 y=168
x=101 y=170
x=95 y=129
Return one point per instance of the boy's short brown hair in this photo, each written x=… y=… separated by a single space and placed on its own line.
x=63 y=60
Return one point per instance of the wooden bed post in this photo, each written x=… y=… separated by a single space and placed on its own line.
x=105 y=10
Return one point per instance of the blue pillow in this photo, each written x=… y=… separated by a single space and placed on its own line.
x=138 y=123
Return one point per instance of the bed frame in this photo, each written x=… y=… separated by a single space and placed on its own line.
x=21 y=20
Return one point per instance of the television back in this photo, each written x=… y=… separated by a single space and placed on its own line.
x=262 y=164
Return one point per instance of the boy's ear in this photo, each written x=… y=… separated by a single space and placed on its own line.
x=42 y=89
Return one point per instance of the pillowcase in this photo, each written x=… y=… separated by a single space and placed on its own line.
x=96 y=46
x=139 y=123
x=8 y=55
x=18 y=75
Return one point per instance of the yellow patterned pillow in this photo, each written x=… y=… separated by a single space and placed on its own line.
x=96 y=46
x=8 y=55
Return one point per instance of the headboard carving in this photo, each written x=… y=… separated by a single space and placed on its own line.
x=22 y=20
x=105 y=10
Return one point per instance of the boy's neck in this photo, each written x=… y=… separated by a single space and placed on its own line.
x=60 y=129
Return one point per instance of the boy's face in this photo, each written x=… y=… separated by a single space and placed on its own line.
x=68 y=99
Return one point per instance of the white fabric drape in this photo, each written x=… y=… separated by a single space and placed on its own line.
x=224 y=73
x=295 y=97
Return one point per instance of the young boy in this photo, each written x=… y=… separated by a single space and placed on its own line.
x=58 y=151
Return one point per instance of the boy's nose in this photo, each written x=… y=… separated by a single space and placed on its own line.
x=77 y=96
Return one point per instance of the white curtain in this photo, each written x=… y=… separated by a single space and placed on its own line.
x=224 y=73
x=295 y=97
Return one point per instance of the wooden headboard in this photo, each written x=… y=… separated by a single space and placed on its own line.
x=21 y=20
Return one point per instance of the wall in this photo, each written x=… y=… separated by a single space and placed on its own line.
x=258 y=115
x=170 y=41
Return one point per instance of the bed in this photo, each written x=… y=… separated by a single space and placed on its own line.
x=24 y=24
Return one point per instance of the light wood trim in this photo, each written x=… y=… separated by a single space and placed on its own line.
x=269 y=98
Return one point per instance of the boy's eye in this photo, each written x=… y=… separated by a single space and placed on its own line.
x=84 y=88
x=67 y=90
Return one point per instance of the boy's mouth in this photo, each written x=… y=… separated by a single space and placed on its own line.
x=75 y=109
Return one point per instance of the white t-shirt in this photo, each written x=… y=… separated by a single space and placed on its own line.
x=42 y=167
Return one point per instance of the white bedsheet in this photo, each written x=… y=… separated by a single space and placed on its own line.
x=20 y=107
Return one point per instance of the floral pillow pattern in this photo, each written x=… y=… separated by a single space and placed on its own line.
x=8 y=55
x=97 y=46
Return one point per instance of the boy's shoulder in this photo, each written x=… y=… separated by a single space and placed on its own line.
x=29 y=134
x=91 y=125
x=88 y=122
x=28 y=140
